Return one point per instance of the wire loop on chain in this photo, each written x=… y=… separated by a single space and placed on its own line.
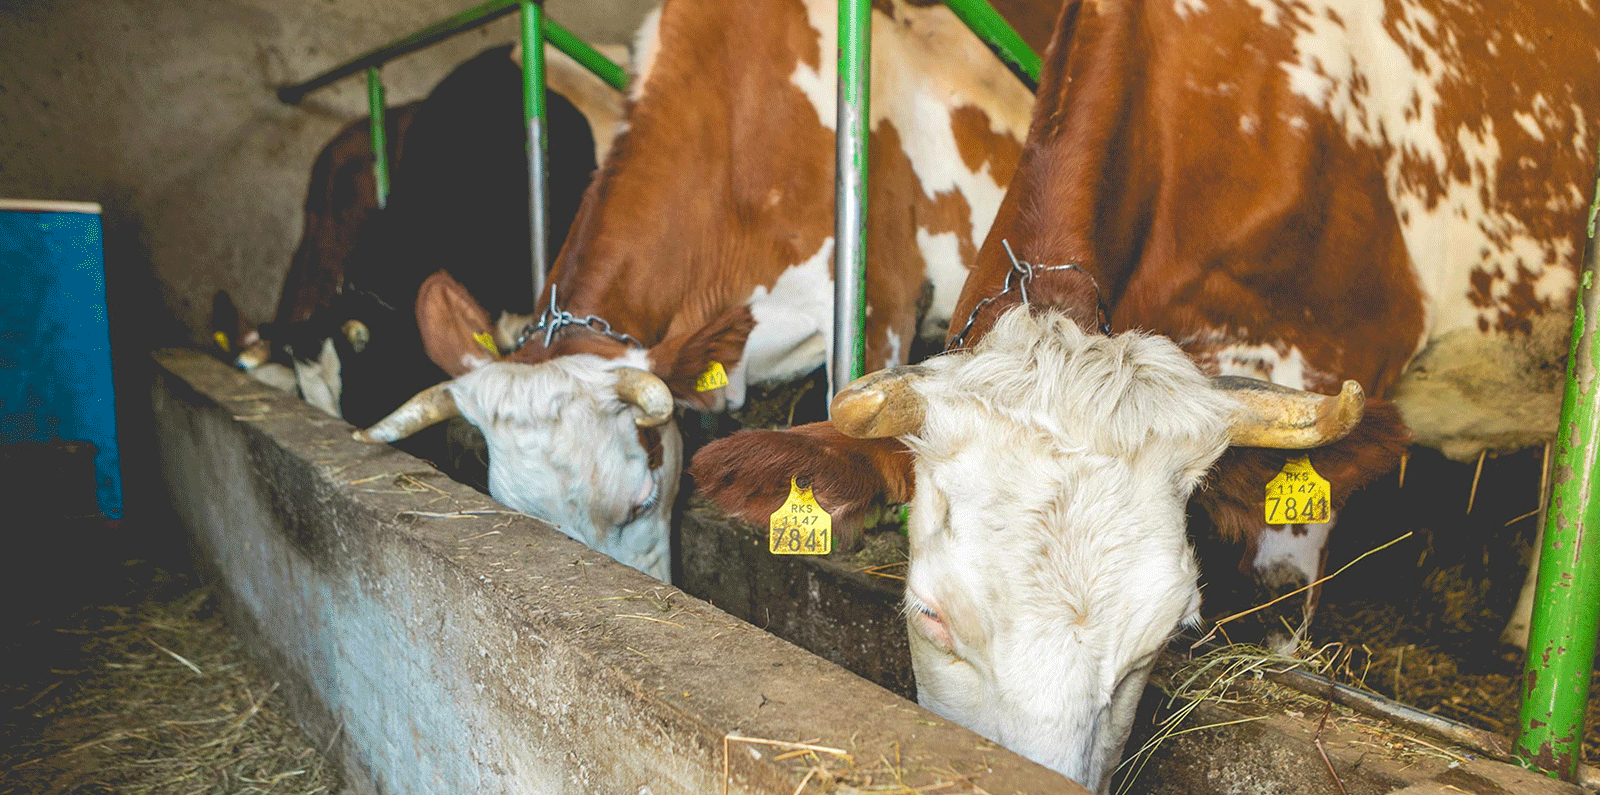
x=554 y=319
x=1024 y=273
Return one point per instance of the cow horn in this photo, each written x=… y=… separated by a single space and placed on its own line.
x=879 y=405
x=1277 y=416
x=357 y=333
x=646 y=392
x=428 y=407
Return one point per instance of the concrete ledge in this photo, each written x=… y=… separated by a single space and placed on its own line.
x=441 y=644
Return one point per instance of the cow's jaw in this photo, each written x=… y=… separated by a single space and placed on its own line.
x=1049 y=563
x=564 y=448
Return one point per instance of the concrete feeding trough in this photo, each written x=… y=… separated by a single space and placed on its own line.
x=440 y=643
x=437 y=642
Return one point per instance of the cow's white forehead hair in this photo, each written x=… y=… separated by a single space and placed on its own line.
x=563 y=447
x=1052 y=472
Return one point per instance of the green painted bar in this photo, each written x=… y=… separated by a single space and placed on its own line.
x=590 y=58
x=472 y=18
x=851 y=132
x=380 y=139
x=1566 y=615
x=987 y=23
x=538 y=141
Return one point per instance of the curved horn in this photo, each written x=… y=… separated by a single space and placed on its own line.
x=428 y=407
x=646 y=392
x=879 y=405
x=1289 y=419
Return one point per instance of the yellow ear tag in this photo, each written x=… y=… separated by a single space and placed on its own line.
x=221 y=340
x=713 y=377
x=800 y=527
x=487 y=341
x=1298 y=495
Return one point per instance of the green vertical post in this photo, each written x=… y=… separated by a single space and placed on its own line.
x=380 y=138
x=851 y=131
x=533 y=112
x=1566 y=612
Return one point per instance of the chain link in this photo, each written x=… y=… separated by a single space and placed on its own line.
x=554 y=319
x=1024 y=273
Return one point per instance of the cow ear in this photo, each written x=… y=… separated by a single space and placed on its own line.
x=747 y=474
x=1235 y=490
x=682 y=360
x=456 y=331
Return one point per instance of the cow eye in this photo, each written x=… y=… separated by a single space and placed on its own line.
x=928 y=621
x=644 y=507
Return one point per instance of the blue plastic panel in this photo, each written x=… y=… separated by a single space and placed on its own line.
x=55 y=352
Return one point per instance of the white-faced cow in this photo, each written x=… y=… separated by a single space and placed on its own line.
x=1320 y=194
x=707 y=239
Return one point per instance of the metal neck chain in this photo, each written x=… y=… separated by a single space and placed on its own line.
x=554 y=319
x=1024 y=273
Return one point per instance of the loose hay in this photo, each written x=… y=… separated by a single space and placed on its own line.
x=150 y=696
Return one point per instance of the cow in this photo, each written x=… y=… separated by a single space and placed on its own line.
x=1331 y=196
x=706 y=240
x=468 y=156
x=341 y=200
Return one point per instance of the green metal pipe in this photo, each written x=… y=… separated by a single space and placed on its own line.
x=1003 y=39
x=380 y=139
x=1561 y=642
x=472 y=18
x=533 y=114
x=590 y=58
x=850 y=192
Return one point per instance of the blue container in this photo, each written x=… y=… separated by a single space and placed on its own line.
x=55 y=351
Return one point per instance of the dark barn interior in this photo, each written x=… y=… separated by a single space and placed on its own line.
x=137 y=666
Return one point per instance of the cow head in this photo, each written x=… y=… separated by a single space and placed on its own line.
x=1049 y=562
x=585 y=440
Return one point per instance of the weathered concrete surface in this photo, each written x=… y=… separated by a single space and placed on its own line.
x=853 y=620
x=488 y=652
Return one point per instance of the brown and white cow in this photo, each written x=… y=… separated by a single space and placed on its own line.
x=1314 y=193
x=708 y=237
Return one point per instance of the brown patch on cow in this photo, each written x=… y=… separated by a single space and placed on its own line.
x=1234 y=493
x=747 y=474
x=650 y=440
x=980 y=145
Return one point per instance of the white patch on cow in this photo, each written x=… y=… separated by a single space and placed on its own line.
x=793 y=334
x=1049 y=562
x=319 y=379
x=1280 y=364
x=564 y=448
x=942 y=253
x=278 y=376
x=1284 y=557
x=1188 y=8
x=646 y=45
x=895 y=355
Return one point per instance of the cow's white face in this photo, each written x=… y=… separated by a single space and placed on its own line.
x=563 y=447
x=1049 y=563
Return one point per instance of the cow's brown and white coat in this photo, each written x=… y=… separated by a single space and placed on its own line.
x=1305 y=192
x=708 y=236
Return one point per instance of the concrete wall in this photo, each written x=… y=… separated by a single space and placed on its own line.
x=164 y=112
